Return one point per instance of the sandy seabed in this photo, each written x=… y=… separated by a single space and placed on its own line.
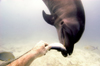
x=78 y=58
x=54 y=58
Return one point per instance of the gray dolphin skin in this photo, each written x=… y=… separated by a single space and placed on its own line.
x=68 y=17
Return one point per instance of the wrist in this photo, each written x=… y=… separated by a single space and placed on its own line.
x=34 y=53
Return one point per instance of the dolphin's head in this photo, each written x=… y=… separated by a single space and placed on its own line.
x=68 y=17
x=64 y=32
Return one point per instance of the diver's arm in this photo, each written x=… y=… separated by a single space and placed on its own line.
x=39 y=50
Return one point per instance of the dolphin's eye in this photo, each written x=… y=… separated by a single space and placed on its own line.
x=62 y=23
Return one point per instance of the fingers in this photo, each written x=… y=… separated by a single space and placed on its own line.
x=48 y=48
x=42 y=47
x=41 y=43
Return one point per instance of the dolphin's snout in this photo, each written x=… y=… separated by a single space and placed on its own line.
x=69 y=19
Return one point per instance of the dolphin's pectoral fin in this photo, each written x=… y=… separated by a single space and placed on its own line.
x=48 y=18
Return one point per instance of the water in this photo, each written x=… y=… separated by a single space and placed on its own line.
x=22 y=26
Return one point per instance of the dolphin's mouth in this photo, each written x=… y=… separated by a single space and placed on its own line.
x=66 y=40
x=64 y=36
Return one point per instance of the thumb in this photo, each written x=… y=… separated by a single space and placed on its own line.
x=48 y=48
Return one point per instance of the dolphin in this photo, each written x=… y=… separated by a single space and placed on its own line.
x=68 y=17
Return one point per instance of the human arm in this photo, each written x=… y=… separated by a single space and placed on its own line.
x=39 y=50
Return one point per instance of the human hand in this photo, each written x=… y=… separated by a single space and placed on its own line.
x=41 y=48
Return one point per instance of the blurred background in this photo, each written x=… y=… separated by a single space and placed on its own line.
x=22 y=25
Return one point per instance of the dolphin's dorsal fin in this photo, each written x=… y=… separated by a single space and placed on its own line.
x=50 y=19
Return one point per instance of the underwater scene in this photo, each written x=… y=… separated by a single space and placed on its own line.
x=22 y=26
